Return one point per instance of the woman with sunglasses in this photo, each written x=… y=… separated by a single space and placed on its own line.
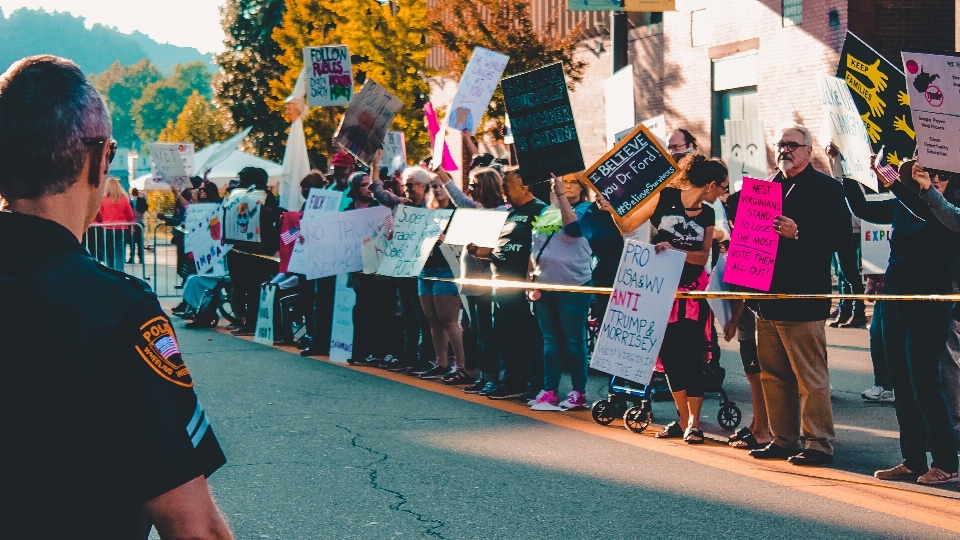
x=914 y=333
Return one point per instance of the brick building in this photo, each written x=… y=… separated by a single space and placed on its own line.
x=739 y=60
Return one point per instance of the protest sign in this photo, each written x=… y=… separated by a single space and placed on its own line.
x=874 y=247
x=842 y=125
x=365 y=123
x=331 y=242
x=415 y=231
x=618 y=94
x=635 y=169
x=322 y=200
x=289 y=237
x=753 y=242
x=341 y=333
x=204 y=235
x=329 y=75
x=544 y=132
x=880 y=94
x=476 y=226
x=632 y=330
x=264 y=331
x=394 y=153
x=935 y=107
x=241 y=215
x=172 y=163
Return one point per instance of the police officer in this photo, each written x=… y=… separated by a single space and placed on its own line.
x=104 y=434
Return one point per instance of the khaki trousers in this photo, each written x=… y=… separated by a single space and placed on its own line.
x=796 y=383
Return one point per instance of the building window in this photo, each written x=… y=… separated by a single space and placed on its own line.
x=792 y=12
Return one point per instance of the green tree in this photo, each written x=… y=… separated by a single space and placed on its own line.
x=200 y=122
x=461 y=25
x=163 y=100
x=249 y=61
x=121 y=86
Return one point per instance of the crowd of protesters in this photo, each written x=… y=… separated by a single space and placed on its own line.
x=514 y=344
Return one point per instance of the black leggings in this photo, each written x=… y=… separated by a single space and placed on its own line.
x=682 y=356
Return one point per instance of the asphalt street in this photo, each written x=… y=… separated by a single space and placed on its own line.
x=320 y=450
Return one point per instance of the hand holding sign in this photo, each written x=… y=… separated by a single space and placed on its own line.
x=754 y=240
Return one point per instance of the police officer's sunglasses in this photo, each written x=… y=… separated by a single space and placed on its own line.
x=97 y=141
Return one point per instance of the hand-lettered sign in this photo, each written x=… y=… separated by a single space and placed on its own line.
x=329 y=76
x=172 y=163
x=842 y=125
x=635 y=169
x=544 y=133
x=204 y=238
x=753 y=241
x=933 y=80
x=415 y=232
x=632 y=330
x=322 y=200
x=332 y=241
x=366 y=121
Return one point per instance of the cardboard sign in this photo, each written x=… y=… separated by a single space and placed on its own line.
x=322 y=200
x=172 y=163
x=933 y=81
x=634 y=170
x=264 y=331
x=842 y=125
x=545 y=135
x=329 y=75
x=879 y=92
x=241 y=215
x=753 y=242
x=341 y=333
x=365 y=123
x=415 y=232
x=394 y=152
x=476 y=226
x=632 y=330
x=204 y=235
x=331 y=242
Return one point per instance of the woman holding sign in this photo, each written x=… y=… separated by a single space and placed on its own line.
x=684 y=222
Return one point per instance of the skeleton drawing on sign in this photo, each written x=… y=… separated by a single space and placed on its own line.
x=244 y=213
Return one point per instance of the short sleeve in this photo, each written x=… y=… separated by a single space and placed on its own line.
x=169 y=432
x=707 y=217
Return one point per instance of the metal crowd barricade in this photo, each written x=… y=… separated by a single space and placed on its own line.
x=165 y=279
x=110 y=243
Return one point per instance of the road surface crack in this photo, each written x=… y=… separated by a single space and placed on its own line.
x=434 y=524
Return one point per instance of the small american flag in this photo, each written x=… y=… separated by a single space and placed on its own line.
x=291 y=236
x=388 y=224
x=166 y=346
x=887 y=171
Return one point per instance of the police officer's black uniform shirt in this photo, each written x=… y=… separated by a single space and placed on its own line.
x=99 y=411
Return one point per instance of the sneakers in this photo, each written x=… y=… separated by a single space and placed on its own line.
x=935 y=477
x=900 y=472
x=533 y=401
x=389 y=361
x=505 y=391
x=370 y=360
x=420 y=368
x=546 y=401
x=435 y=373
x=576 y=401
x=455 y=376
x=878 y=394
x=529 y=396
x=476 y=387
x=488 y=388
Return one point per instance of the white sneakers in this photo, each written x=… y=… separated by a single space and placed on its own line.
x=878 y=394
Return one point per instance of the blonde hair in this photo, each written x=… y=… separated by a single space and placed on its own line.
x=114 y=189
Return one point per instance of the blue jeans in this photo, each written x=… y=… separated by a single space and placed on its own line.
x=914 y=338
x=563 y=317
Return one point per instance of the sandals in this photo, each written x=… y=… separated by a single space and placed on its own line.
x=693 y=436
x=739 y=434
x=744 y=440
x=671 y=431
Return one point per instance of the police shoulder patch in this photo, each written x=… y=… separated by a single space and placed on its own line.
x=157 y=345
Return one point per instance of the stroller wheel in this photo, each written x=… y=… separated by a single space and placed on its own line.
x=636 y=419
x=729 y=416
x=604 y=412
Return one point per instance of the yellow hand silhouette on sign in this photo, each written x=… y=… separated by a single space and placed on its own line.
x=870 y=94
x=872 y=71
x=900 y=124
x=873 y=130
x=903 y=98
x=893 y=159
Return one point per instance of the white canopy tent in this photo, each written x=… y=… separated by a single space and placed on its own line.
x=222 y=173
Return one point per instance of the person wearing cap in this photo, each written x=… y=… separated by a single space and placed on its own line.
x=343 y=166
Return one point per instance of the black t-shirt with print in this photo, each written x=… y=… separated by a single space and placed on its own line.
x=682 y=231
x=513 y=258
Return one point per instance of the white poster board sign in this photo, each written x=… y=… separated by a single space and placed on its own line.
x=241 y=215
x=331 y=242
x=842 y=125
x=632 y=330
x=322 y=200
x=415 y=231
x=618 y=91
x=204 y=235
x=264 y=332
x=932 y=81
x=476 y=226
x=172 y=163
x=329 y=75
x=394 y=152
x=341 y=333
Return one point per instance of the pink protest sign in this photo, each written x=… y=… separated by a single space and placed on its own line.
x=753 y=246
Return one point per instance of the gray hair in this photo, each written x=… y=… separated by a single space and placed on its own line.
x=417 y=175
x=46 y=107
x=807 y=138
